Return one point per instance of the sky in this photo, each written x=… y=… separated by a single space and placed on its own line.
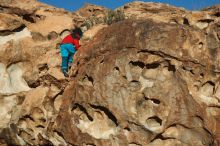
x=73 y=5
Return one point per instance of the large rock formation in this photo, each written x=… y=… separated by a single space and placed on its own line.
x=150 y=80
x=30 y=61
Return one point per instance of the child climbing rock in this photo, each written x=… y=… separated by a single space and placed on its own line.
x=68 y=47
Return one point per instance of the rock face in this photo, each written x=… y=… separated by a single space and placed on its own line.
x=30 y=76
x=157 y=87
x=149 y=80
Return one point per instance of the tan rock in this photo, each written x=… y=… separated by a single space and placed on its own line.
x=53 y=91
x=48 y=24
x=147 y=81
x=15 y=36
x=169 y=14
x=92 y=32
x=58 y=102
x=12 y=80
x=34 y=98
x=56 y=73
x=9 y=22
x=8 y=103
x=157 y=11
x=94 y=129
x=169 y=142
x=54 y=58
x=89 y=10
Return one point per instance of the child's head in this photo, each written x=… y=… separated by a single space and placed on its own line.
x=77 y=33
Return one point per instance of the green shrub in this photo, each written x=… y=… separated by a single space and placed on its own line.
x=114 y=16
x=109 y=18
x=91 y=21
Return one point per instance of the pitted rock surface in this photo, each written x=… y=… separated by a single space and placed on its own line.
x=148 y=89
x=149 y=80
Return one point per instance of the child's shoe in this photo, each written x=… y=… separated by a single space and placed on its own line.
x=65 y=73
x=70 y=65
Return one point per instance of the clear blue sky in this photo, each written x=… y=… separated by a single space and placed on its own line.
x=73 y=5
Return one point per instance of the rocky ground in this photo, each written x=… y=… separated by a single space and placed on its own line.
x=146 y=75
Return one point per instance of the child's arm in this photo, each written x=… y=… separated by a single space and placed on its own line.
x=76 y=43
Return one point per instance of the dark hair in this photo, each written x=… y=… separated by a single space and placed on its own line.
x=77 y=31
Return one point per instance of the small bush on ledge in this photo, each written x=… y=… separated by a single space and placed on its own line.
x=114 y=16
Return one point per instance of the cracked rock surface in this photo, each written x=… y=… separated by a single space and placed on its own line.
x=149 y=80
